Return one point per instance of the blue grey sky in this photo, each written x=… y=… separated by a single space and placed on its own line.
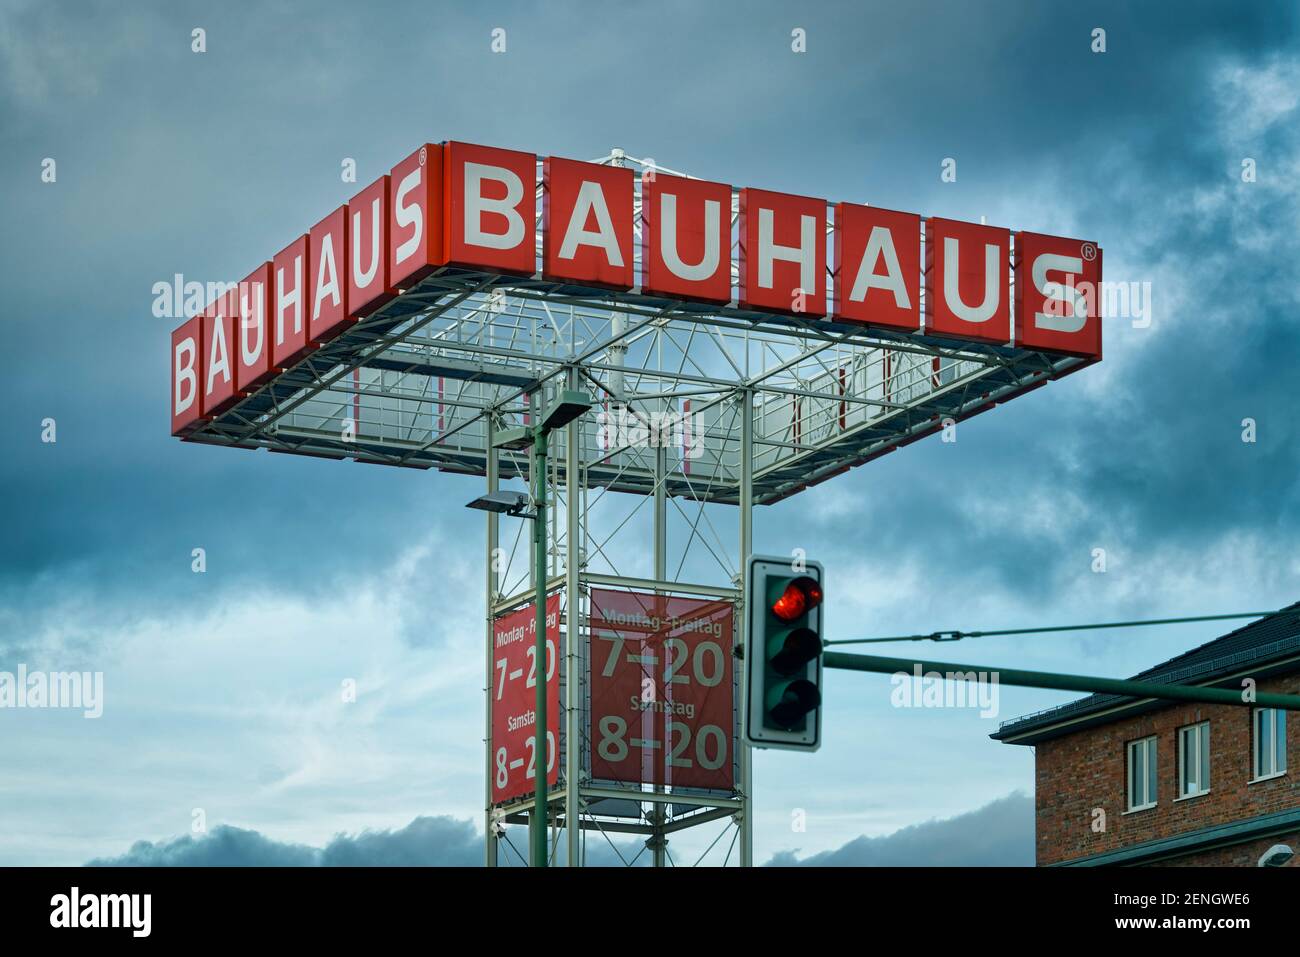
x=221 y=688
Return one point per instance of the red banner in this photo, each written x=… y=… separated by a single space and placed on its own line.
x=514 y=700
x=662 y=690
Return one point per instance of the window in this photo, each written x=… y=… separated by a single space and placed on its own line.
x=1142 y=774
x=1270 y=742
x=1194 y=759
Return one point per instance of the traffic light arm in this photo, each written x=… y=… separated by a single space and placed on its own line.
x=1062 y=682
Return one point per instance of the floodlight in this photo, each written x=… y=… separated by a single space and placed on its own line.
x=568 y=406
x=515 y=439
x=503 y=502
x=1276 y=856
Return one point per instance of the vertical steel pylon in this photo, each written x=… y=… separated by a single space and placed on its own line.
x=746 y=547
x=574 y=494
x=581 y=540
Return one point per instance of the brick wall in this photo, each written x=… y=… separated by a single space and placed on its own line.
x=1237 y=855
x=1081 y=772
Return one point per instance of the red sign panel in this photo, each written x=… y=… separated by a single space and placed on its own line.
x=1057 y=286
x=662 y=690
x=368 y=286
x=187 y=366
x=967 y=282
x=289 y=341
x=878 y=267
x=328 y=245
x=415 y=208
x=782 y=253
x=587 y=223
x=514 y=689
x=491 y=203
x=217 y=371
x=253 y=335
x=686 y=238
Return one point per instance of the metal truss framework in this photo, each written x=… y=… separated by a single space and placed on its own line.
x=699 y=406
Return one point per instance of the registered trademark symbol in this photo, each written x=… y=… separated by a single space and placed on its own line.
x=422 y=155
x=1089 y=252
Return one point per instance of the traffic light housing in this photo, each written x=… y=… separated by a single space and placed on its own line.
x=783 y=654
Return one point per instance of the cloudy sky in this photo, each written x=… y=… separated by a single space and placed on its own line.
x=222 y=688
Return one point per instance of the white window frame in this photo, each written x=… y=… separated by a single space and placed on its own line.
x=1194 y=760
x=1146 y=785
x=1276 y=766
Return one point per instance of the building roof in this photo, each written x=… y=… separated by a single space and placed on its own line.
x=1270 y=639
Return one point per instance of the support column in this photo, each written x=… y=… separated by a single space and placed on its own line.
x=493 y=479
x=661 y=514
x=541 y=804
x=658 y=842
x=573 y=641
x=746 y=547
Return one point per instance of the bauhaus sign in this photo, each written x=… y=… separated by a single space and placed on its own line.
x=475 y=207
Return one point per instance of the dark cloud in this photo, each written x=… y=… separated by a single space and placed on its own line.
x=1000 y=834
x=225 y=846
x=425 y=842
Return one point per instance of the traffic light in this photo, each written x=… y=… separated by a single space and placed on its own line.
x=783 y=654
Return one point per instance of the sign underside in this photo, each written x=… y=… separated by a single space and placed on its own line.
x=416 y=383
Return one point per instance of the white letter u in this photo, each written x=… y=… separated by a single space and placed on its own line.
x=708 y=264
x=364 y=279
x=951 y=288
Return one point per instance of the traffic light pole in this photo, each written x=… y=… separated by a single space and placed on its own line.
x=1062 y=682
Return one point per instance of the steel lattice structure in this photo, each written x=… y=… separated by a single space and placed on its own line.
x=700 y=406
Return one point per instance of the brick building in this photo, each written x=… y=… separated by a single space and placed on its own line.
x=1132 y=781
